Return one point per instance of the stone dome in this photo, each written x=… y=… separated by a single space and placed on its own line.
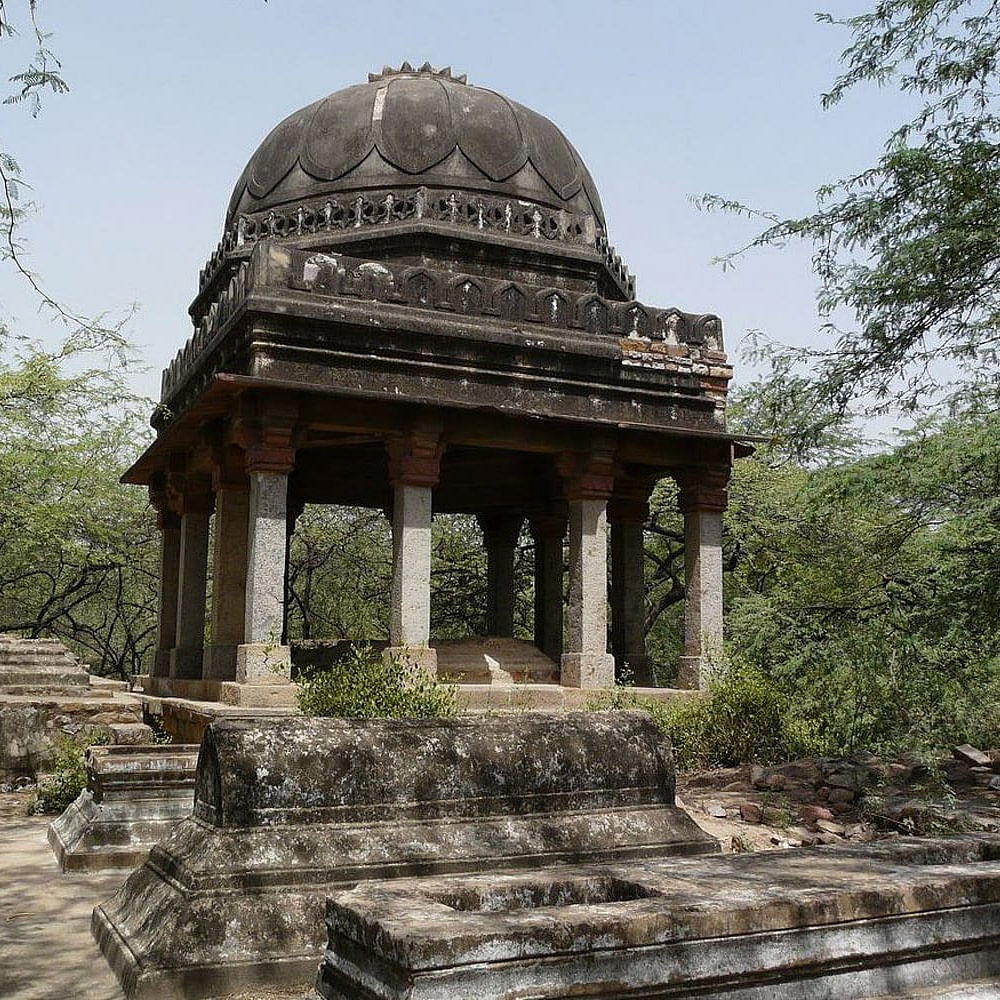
x=410 y=128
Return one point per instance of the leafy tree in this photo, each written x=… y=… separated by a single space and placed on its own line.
x=907 y=252
x=77 y=549
x=868 y=588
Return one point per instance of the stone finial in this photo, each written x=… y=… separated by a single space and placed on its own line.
x=405 y=69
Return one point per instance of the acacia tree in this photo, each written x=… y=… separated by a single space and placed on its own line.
x=76 y=554
x=909 y=249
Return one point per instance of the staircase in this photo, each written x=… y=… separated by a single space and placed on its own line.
x=37 y=666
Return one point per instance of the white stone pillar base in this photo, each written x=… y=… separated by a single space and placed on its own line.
x=587 y=670
x=263 y=663
x=414 y=657
x=691 y=672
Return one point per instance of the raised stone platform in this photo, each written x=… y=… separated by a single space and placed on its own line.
x=489 y=660
x=837 y=924
x=134 y=797
x=289 y=811
x=186 y=719
x=32 y=726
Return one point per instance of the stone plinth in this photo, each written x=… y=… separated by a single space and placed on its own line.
x=792 y=925
x=493 y=660
x=134 y=796
x=289 y=812
x=32 y=726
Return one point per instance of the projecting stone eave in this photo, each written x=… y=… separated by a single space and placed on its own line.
x=475 y=425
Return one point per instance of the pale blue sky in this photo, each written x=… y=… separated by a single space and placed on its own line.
x=132 y=170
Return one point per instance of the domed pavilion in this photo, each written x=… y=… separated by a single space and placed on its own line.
x=415 y=308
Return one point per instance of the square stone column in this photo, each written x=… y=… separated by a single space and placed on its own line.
x=414 y=467
x=500 y=534
x=266 y=432
x=703 y=499
x=549 y=532
x=229 y=575
x=628 y=512
x=261 y=658
x=189 y=641
x=170 y=555
x=588 y=481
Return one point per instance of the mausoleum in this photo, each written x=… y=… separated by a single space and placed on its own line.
x=415 y=307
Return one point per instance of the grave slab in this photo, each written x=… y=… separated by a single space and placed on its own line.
x=134 y=797
x=831 y=923
x=289 y=811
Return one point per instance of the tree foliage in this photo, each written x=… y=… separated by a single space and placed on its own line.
x=907 y=252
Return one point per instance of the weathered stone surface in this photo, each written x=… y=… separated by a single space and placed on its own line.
x=803 y=924
x=31 y=727
x=134 y=796
x=32 y=666
x=289 y=811
x=971 y=756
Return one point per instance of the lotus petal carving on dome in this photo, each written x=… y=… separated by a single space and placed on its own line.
x=415 y=120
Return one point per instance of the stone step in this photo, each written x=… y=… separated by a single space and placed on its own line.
x=18 y=659
x=36 y=677
x=36 y=690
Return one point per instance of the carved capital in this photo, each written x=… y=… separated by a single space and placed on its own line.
x=703 y=488
x=229 y=470
x=415 y=458
x=550 y=527
x=266 y=432
x=501 y=529
x=159 y=500
x=629 y=503
x=587 y=475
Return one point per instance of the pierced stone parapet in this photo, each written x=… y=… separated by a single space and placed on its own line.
x=455 y=208
x=219 y=312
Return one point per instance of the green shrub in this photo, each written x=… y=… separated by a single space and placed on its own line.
x=743 y=717
x=368 y=685
x=59 y=789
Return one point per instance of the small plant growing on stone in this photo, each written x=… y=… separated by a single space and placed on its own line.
x=59 y=789
x=370 y=685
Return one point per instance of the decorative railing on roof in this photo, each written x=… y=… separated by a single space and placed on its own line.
x=455 y=208
x=695 y=336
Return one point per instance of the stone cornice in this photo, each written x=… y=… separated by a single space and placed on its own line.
x=648 y=337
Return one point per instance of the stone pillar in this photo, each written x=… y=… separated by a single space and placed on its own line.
x=414 y=467
x=170 y=553
x=548 y=532
x=294 y=508
x=267 y=440
x=702 y=501
x=628 y=512
x=229 y=575
x=500 y=534
x=189 y=637
x=588 y=481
